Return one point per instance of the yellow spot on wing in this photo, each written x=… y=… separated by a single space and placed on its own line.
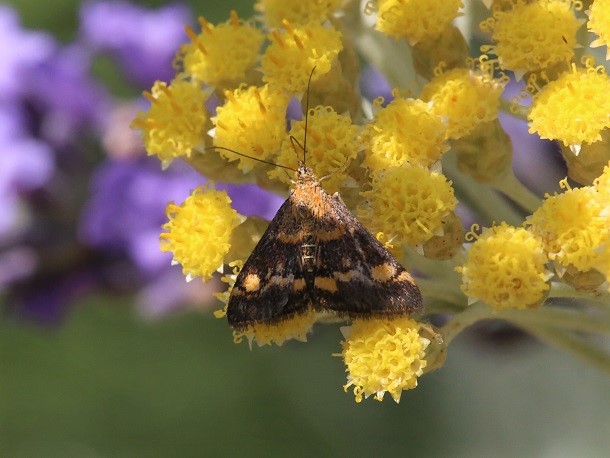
x=383 y=272
x=252 y=282
x=326 y=283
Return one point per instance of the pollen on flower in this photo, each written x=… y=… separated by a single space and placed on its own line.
x=174 y=124
x=296 y=11
x=505 y=267
x=574 y=108
x=405 y=131
x=252 y=121
x=293 y=53
x=599 y=24
x=572 y=226
x=408 y=204
x=602 y=185
x=383 y=356
x=415 y=20
x=531 y=36
x=222 y=53
x=467 y=98
x=332 y=143
x=198 y=232
x=294 y=328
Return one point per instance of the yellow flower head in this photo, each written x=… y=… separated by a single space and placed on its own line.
x=599 y=24
x=405 y=131
x=220 y=54
x=198 y=232
x=572 y=225
x=174 y=124
x=408 y=204
x=383 y=355
x=252 y=121
x=294 y=328
x=296 y=11
x=531 y=36
x=332 y=143
x=506 y=268
x=414 y=19
x=295 y=51
x=467 y=98
x=574 y=108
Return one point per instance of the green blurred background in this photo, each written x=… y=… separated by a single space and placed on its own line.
x=108 y=383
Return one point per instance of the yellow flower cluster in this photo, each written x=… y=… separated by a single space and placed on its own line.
x=386 y=160
x=505 y=267
x=383 y=356
x=405 y=131
x=465 y=97
x=415 y=20
x=407 y=204
x=293 y=53
x=573 y=108
x=572 y=226
x=173 y=126
x=198 y=232
x=252 y=121
x=532 y=36
x=599 y=24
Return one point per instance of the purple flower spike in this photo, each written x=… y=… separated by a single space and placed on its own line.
x=143 y=41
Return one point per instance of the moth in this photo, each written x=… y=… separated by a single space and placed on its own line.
x=316 y=255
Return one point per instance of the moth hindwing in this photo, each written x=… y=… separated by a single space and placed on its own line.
x=316 y=255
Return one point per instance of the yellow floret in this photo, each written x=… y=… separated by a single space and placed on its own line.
x=332 y=143
x=252 y=121
x=220 y=54
x=294 y=328
x=198 y=232
x=174 y=124
x=599 y=24
x=383 y=356
x=531 y=36
x=505 y=267
x=295 y=51
x=572 y=226
x=574 y=108
x=405 y=131
x=467 y=98
x=408 y=204
x=415 y=19
x=296 y=11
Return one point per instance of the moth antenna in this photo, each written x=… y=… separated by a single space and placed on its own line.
x=307 y=114
x=249 y=157
x=296 y=143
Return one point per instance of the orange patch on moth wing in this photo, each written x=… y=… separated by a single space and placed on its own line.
x=292 y=239
x=299 y=284
x=335 y=234
x=383 y=272
x=405 y=276
x=326 y=283
x=252 y=282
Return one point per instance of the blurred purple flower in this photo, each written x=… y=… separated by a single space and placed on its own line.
x=144 y=41
x=20 y=51
x=66 y=98
x=374 y=84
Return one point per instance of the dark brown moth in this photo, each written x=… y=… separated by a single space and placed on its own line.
x=316 y=255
